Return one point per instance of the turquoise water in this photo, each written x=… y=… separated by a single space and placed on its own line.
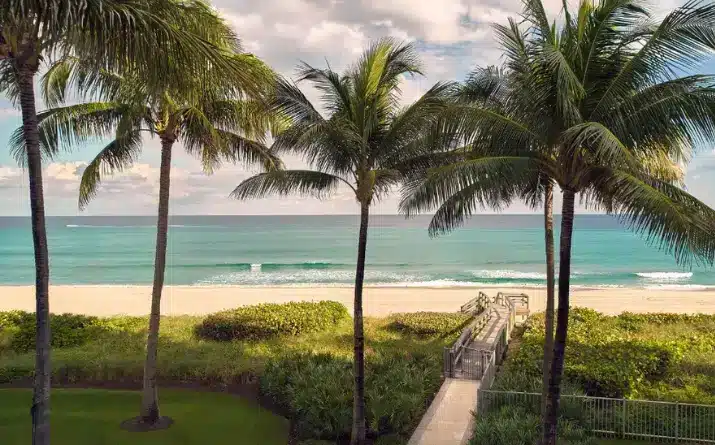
x=305 y=250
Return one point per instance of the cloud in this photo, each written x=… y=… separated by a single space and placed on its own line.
x=452 y=36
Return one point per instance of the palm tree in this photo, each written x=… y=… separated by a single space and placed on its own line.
x=215 y=120
x=494 y=90
x=110 y=33
x=607 y=96
x=360 y=144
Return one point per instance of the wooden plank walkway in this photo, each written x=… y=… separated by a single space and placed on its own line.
x=449 y=419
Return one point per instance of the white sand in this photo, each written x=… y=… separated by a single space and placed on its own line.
x=196 y=300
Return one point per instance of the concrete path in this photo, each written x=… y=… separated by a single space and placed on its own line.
x=449 y=419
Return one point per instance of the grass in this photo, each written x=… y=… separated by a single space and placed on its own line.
x=119 y=355
x=83 y=416
x=398 y=395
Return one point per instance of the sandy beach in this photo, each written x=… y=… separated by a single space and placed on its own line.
x=378 y=301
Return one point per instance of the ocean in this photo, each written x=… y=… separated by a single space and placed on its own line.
x=491 y=250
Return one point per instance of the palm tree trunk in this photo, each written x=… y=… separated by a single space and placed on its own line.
x=150 y=395
x=562 y=319
x=41 y=395
x=358 y=433
x=549 y=315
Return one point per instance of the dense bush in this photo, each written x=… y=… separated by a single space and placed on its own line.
x=317 y=392
x=17 y=330
x=429 y=324
x=269 y=320
x=512 y=425
x=630 y=355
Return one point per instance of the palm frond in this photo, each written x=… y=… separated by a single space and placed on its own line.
x=411 y=125
x=662 y=213
x=491 y=181
x=237 y=149
x=335 y=89
x=605 y=147
x=287 y=182
x=63 y=128
x=114 y=157
x=676 y=112
x=488 y=86
x=682 y=41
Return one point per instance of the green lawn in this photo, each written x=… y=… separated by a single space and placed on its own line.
x=82 y=417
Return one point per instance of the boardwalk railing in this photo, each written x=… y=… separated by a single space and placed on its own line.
x=476 y=304
x=463 y=361
x=624 y=418
x=454 y=357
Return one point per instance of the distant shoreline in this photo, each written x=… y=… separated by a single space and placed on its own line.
x=378 y=301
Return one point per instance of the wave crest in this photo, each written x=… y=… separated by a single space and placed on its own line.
x=665 y=276
x=509 y=274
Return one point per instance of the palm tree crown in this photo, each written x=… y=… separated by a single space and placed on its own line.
x=600 y=108
x=216 y=119
x=365 y=139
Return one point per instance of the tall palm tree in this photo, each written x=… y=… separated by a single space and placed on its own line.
x=360 y=144
x=493 y=90
x=214 y=118
x=111 y=33
x=606 y=94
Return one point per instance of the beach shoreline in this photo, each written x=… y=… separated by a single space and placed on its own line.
x=105 y=300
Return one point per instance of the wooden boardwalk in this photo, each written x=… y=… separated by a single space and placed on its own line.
x=449 y=419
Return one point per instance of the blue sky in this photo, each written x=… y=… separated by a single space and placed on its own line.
x=454 y=37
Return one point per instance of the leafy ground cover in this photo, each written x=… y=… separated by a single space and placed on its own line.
x=669 y=357
x=91 y=417
x=666 y=357
x=307 y=376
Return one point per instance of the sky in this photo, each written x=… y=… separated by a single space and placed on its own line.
x=453 y=37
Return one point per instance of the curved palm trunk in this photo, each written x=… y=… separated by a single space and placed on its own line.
x=41 y=395
x=150 y=395
x=562 y=319
x=549 y=315
x=358 y=432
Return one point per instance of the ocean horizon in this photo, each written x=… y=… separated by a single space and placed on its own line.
x=504 y=250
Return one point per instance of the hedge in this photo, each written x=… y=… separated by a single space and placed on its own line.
x=316 y=390
x=429 y=324
x=630 y=355
x=18 y=329
x=268 y=320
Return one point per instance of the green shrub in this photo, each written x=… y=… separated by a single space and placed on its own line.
x=630 y=355
x=17 y=330
x=269 y=320
x=513 y=425
x=429 y=324
x=317 y=392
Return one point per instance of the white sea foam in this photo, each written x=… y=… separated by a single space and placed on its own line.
x=665 y=276
x=306 y=276
x=256 y=267
x=513 y=274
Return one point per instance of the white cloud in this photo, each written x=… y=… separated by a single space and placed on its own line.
x=453 y=36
